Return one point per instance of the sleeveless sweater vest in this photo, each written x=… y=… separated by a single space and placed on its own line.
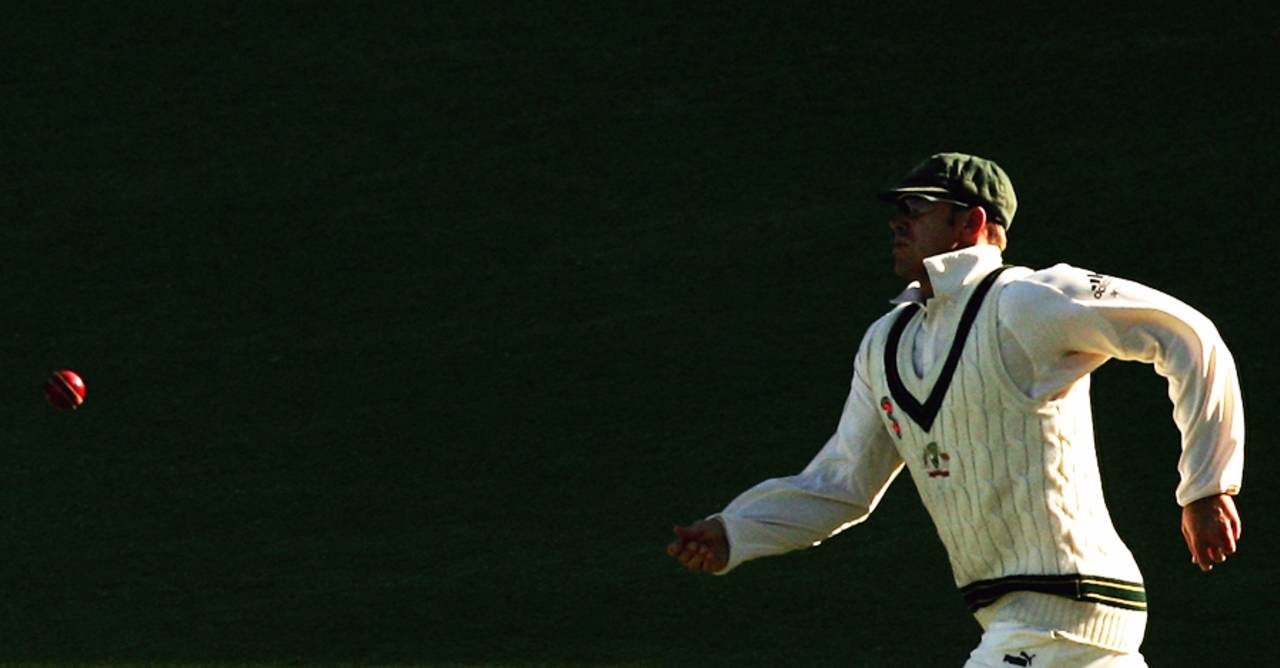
x=1012 y=484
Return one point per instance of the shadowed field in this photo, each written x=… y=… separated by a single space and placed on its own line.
x=409 y=332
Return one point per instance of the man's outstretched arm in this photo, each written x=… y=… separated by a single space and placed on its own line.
x=839 y=488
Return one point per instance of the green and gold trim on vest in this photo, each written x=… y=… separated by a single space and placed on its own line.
x=1091 y=588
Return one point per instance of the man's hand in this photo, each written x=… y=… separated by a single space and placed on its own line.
x=702 y=546
x=1211 y=527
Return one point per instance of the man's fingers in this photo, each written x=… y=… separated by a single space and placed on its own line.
x=1232 y=515
x=707 y=561
x=1207 y=556
x=1200 y=554
x=692 y=555
x=697 y=557
x=684 y=546
x=700 y=547
x=1219 y=545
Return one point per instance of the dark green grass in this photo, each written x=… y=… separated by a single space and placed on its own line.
x=410 y=332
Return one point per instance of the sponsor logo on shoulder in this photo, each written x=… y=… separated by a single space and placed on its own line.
x=1100 y=285
x=1023 y=659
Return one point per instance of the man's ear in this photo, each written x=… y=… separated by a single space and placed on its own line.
x=975 y=224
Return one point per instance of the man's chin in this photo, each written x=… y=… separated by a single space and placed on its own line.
x=907 y=270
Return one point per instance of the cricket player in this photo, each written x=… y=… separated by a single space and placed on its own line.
x=977 y=381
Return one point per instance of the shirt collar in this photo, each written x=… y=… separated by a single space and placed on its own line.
x=950 y=273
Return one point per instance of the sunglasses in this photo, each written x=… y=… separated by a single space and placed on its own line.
x=914 y=206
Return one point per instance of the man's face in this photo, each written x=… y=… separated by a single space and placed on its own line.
x=922 y=229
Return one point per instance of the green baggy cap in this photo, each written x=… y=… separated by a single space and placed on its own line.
x=965 y=178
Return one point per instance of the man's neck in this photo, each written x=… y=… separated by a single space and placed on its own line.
x=926 y=288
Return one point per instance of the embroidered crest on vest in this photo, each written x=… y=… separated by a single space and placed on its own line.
x=937 y=461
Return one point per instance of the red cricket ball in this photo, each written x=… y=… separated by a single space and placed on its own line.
x=65 y=390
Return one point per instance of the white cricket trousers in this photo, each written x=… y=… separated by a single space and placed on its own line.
x=1007 y=644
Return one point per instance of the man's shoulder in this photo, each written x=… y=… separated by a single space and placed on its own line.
x=1061 y=281
x=886 y=321
x=879 y=328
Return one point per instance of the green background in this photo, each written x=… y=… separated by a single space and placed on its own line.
x=410 y=330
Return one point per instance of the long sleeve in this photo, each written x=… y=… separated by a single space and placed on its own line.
x=1066 y=322
x=838 y=489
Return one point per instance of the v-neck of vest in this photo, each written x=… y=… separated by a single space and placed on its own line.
x=938 y=379
x=906 y=360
